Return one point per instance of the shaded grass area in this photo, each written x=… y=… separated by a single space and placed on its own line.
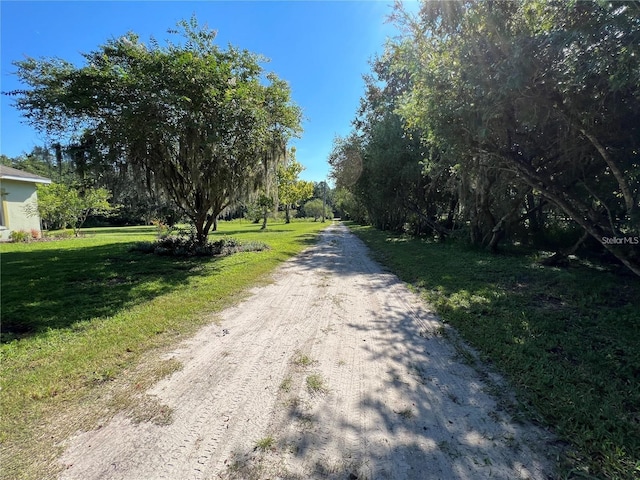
x=70 y=284
x=566 y=338
x=80 y=314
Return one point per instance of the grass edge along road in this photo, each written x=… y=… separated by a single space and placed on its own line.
x=565 y=338
x=102 y=315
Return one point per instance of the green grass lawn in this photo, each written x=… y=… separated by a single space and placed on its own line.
x=81 y=315
x=568 y=339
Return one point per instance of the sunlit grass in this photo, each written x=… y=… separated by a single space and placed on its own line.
x=566 y=338
x=80 y=314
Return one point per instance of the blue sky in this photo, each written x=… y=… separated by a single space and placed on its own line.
x=321 y=48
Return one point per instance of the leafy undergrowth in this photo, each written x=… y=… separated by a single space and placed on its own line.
x=187 y=246
x=567 y=339
x=83 y=320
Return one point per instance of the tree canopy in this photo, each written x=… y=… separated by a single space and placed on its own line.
x=291 y=190
x=316 y=209
x=528 y=117
x=204 y=125
x=60 y=205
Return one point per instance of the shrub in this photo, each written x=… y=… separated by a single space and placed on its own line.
x=253 y=212
x=162 y=229
x=62 y=234
x=20 y=236
x=314 y=208
x=186 y=246
x=144 y=247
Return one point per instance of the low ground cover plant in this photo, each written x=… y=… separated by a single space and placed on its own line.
x=566 y=338
x=23 y=235
x=182 y=245
x=19 y=236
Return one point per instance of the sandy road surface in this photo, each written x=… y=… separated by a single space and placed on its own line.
x=339 y=372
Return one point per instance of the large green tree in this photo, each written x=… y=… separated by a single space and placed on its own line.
x=316 y=208
x=531 y=103
x=40 y=161
x=291 y=190
x=380 y=163
x=206 y=126
x=61 y=205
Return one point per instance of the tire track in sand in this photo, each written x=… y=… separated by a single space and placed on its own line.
x=399 y=404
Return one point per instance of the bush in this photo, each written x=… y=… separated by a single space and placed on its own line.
x=229 y=245
x=314 y=208
x=20 y=236
x=186 y=246
x=61 y=234
x=162 y=229
x=144 y=247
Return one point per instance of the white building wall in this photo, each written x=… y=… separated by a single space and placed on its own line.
x=17 y=195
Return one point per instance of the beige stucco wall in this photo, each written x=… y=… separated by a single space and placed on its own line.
x=14 y=216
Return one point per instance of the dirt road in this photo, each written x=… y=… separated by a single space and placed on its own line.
x=334 y=371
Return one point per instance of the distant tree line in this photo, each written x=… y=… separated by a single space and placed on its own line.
x=509 y=121
x=131 y=202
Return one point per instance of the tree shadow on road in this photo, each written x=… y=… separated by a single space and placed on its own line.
x=423 y=407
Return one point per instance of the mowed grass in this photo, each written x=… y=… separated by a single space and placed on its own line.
x=83 y=317
x=567 y=339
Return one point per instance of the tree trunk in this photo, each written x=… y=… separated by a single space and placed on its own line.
x=498 y=231
x=560 y=258
x=440 y=231
x=202 y=224
x=615 y=170
x=58 y=148
x=453 y=204
x=579 y=213
x=533 y=212
x=497 y=234
x=201 y=235
x=287 y=213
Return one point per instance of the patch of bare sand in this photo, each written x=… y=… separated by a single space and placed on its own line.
x=334 y=371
